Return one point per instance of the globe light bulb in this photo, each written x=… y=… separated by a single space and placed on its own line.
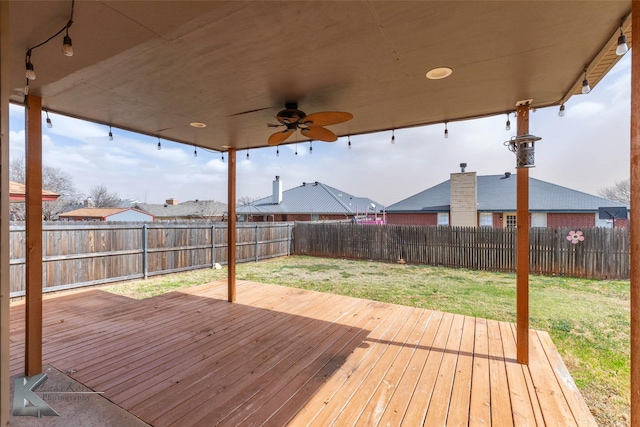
x=67 y=46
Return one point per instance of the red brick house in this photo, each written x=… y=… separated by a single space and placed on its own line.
x=469 y=200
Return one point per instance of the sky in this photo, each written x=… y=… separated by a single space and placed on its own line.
x=586 y=150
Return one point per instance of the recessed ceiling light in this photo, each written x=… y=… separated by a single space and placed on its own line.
x=198 y=125
x=439 y=73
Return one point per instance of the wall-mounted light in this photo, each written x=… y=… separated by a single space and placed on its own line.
x=507 y=125
x=585 y=84
x=622 y=47
x=446 y=131
x=561 y=111
x=49 y=124
x=110 y=134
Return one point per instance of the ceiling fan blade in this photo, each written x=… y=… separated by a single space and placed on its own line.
x=319 y=133
x=272 y=125
x=279 y=137
x=327 y=118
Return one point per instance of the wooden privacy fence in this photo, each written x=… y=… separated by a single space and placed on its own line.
x=603 y=254
x=83 y=254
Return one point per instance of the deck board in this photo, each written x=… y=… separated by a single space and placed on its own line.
x=283 y=356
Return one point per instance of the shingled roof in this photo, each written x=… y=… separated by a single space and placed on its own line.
x=190 y=209
x=497 y=193
x=312 y=197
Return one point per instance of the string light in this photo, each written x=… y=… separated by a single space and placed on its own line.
x=277 y=151
x=67 y=48
x=393 y=136
x=49 y=124
x=159 y=144
x=507 y=126
x=247 y=154
x=222 y=152
x=296 y=149
x=195 y=151
x=110 y=134
x=561 y=111
x=310 y=147
x=349 y=142
x=585 y=84
x=30 y=73
x=622 y=47
x=446 y=131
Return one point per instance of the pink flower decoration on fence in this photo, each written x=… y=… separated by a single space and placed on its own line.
x=575 y=237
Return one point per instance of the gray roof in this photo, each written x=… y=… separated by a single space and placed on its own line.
x=496 y=193
x=312 y=197
x=189 y=209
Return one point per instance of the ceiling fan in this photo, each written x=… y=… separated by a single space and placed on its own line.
x=310 y=126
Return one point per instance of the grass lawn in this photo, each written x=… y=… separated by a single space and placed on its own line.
x=588 y=320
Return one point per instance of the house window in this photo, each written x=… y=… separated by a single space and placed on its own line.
x=443 y=218
x=539 y=219
x=486 y=219
x=511 y=221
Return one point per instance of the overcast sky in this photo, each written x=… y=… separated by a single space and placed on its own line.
x=586 y=150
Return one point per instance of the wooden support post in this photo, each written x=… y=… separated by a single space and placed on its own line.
x=634 y=223
x=5 y=287
x=522 y=247
x=231 y=227
x=33 y=236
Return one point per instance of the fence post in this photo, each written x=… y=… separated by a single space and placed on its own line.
x=145 y=254
x=288 y=239
x=213 y=245
x=257 y=257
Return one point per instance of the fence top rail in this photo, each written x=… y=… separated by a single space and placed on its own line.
x=59 y=226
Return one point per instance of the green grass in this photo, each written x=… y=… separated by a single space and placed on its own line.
x=588 y=320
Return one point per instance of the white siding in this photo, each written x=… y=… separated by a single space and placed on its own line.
x=130 y=216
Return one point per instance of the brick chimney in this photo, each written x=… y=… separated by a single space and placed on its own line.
x=172 y=202
x=463 y=199
x=277 y=191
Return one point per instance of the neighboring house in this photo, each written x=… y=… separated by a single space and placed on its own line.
x=106 y=214
x=17 y=193
x=209 y=210
x=312 y=201
x=467 y=200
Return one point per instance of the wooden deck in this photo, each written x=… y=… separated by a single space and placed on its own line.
x=286 y=356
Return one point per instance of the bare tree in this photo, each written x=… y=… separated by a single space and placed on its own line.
x=620 y=192
x=53 y=179
x=102 y=198
x=247 y=200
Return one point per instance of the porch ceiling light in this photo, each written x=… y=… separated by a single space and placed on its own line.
x=622 y=47
x=439 y=73
x=585 y=84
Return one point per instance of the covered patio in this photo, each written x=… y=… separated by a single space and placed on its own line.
x=214 y=75
x=287 y=356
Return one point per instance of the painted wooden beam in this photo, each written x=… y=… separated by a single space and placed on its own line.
x=231 y=224
x=33 y=236
x=634 y=223
x=522 y=247
x=5 y=287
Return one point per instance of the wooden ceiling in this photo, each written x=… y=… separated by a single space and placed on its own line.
x=154 y=67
